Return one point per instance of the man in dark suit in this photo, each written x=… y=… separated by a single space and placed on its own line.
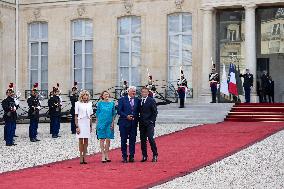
x=148 y=114
x=265 y=85
x=128 y=110
x=248 y=84
x=73 y=99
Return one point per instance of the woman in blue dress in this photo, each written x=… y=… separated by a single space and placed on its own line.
x=105 y=124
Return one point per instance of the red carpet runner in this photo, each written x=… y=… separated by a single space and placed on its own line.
x=179 y=153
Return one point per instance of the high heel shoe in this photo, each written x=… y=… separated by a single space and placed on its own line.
x=81 y=160
x=108 y=160
x=84 y=162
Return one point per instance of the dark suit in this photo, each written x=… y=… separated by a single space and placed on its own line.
x=148 y=114
x=128 y=128
x=248 y=83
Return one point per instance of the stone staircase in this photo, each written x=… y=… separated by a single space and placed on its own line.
x=193 y=113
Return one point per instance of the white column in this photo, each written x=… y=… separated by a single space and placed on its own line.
x=250 y=44
x=207 y=52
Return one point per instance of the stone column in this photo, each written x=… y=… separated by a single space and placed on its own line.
x=250 y=45
x=207 y=52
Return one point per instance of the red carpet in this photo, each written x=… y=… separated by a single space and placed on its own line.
x=253 y=112
x=179 y=153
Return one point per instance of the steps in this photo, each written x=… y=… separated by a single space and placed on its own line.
x=193 y=113
x=256 y=112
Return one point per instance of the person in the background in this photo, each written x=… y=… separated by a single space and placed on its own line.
x=124 y=89
x=148 y=114
x=214 y=80
x=182 y=89
x=49 y=110
x=10 y=116
x=271 y=90
x=73 y=98
x=105 y=115
x=248 y=84
x=34 y=107
x=83 y=121
x=128 y=110
x=265 y=85
x=55 y=112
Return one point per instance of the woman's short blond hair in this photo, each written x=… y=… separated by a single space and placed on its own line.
x=83 y=93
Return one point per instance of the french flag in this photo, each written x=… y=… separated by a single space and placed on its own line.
x=233 y=89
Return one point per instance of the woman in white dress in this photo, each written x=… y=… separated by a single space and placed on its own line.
x=83 y=121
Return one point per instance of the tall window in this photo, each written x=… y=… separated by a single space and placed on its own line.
x=179 y=46
x=129 y=39
x=38 y=54
x=82 y=51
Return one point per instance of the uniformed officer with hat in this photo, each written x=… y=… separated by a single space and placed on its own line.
x=54 y=105
x=10 y=115
x=182 y=89
x=73 y=98
x=34 y=108
x=214 y=81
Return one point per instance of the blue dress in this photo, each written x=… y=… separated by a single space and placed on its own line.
x=105 y=114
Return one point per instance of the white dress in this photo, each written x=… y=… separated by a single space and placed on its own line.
x=84 y=112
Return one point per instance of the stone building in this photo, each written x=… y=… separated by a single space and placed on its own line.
x=99 y=43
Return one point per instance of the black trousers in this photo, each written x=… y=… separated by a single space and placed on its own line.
x=181 y=102
x=147 y=131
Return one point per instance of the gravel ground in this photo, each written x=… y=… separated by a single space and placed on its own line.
x=48 y=150
x=259 y=166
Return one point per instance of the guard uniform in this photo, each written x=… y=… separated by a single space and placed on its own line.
x=214 y=81
x=10 y=116
x=54 y=105
x=124 y=91
x=73 y=98
x=182 y=88
x=34 y=108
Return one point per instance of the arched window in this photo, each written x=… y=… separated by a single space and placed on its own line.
x=179 y=46
x=38 y=54
x=82 y=53
x=129 y=49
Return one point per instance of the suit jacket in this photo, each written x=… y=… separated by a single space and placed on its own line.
x=8 y=104
x=124 y=109
x=148 y=112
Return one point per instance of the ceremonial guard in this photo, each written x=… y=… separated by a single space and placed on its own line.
x=50 y=97
x=10 y=116
x=247 y=84
x=54 y=105
x=151 y=87
x=182 y=89
x=34 y=108
x=73 y=98
x=124 y=89
x=214 y=81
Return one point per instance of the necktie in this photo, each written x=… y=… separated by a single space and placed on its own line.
x=132 y=103
x=143 y=101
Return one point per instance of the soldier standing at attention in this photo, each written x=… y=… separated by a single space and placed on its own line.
x=34 y=107
x=214 y=80
x=248 y=84
x=182 y=88
x=10 y=116
x=55 y=112
x=73 y=98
